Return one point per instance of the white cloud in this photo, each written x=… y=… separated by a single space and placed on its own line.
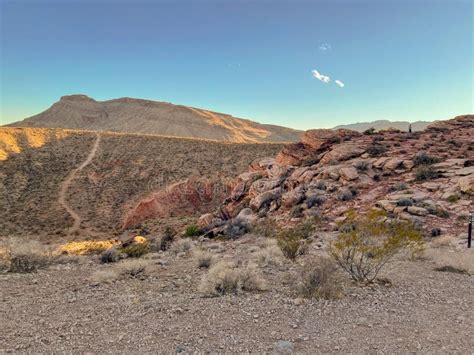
x=324 y=47
x=317 y=75
x=339 y=83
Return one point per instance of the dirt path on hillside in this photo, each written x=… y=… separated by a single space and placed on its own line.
x=65 y=185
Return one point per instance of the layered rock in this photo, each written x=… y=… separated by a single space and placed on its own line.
x=329 y=172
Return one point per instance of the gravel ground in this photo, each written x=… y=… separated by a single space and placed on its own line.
x=61 y=310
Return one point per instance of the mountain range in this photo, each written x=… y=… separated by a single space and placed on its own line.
x=129 y=115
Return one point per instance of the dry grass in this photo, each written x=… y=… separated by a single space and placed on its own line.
x=443 y=257
x=23 y=255
x=181 y=246
x=320 y=279
x=225 y=278
x=135 y=269
x=204 y=259
x=269 y=256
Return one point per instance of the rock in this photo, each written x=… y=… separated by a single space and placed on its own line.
x=380 y=162
x=342 y=152
x=293 y=197
x=208 y=220
x=466 y=184
x=417 y=211
x=387 y=205
x=238 y=191
x=246 y=215
x=432 y=186
x=393 y=164
x=277 y=171
x=264 y=199
x=408 y=164
x=318 y=139
x=261 y=164
x=465 y=171
x=349 y=173
x=293 y=154
x=263 y=185
x=283 y=346
x=250 y=176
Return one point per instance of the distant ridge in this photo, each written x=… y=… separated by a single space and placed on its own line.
x=131 y=115
x=384 y=124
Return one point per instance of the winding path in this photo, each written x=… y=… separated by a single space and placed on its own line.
x=65 y=185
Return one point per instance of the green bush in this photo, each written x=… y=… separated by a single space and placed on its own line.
x=136 y=250
x=191 y=230
x=294 y=241
x=371 y=242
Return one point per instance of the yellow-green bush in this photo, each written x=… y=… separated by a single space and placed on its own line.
x=367 y=243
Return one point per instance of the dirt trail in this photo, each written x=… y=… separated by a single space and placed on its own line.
x=65 y=185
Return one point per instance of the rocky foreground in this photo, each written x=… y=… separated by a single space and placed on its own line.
x=425 y=177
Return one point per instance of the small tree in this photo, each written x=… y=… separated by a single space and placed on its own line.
x=367 y=243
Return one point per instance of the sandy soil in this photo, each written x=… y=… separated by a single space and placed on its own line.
x=60 y=309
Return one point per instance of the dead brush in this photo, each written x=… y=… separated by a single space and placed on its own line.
x=24 y=256
x=204 y=259
x=224 y=278
x=321 y=280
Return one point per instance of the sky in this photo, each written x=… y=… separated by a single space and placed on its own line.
x=301 y=64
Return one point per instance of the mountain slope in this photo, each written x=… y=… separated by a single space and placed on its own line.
x=384 y=124
x=154 y=117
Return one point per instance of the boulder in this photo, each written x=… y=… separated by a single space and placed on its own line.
x=417 y=211
x=387 y=205
x=342 y=152
x=293 y=197
x=380 y=162
x=465 y=171
x=263 y=185
x=318 y=139
x=293 y=154
x=264 y=199
x=393 y=164
x=208 y=220
x=238 y=191
x=466 y=184
x=349 y=173
x=250 y=176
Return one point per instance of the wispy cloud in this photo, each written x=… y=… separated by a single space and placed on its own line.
x=339 y=83
x=317 y=75
x=324 y=47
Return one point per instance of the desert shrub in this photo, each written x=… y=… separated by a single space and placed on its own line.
x=425 y=172
x=361 y=165
x=363 y=250
x=437 y=211
x=135 y=269
x=265 y=227
x=370 y=131
x=237 y=227
x=405 y=201
x=376 y=149
x=297 y=211
x=87 y=247
x=453 y=198
x=24 y=263
x=344 y=195
x=269 y=256
x=111 y=255
x=315 y=200
x=167 y=239
x=192 y=230
x=293 y=241
x=136 y=250
x=422 y=158
x=181 y=246
x=24 y=256
x=320 y=185
x=320 y=280
x=224 y=278
x=204 y=259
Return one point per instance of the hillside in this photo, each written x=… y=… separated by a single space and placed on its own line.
x=152 y=117
x=124 y=168
x=385 y=124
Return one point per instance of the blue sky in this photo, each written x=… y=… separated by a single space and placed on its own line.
x=398 y=60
